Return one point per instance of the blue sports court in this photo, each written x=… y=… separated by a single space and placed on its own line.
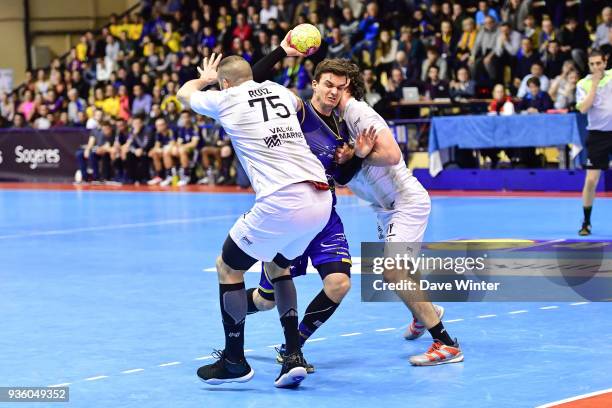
x=113 y=294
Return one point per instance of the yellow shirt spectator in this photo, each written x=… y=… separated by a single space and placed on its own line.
x=171 y=99
x=111 y=106
x=81 y=52
x=172 y=40
x=135 y=31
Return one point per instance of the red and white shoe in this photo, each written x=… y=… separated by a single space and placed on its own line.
x=438 y=353
x=417 y=329
x=154 y=181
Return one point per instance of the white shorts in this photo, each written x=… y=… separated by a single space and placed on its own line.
x=283 y=223
x=407 y=221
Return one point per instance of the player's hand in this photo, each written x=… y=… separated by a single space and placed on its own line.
x=208 y=72
x=365 y=142
x=138 y=152
x=596 y=77
x=344 y=153
x=291 y=52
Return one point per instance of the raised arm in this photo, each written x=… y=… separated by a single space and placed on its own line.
x=263 y=70
x=208 y=76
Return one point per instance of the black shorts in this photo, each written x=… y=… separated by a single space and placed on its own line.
x=599 y=149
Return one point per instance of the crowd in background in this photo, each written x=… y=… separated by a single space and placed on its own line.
x=535 y=51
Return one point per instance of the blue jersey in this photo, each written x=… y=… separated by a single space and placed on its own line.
x=322 y=140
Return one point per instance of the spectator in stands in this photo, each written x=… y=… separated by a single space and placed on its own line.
x=537 y=71
x=547 y=34
x=434 y=59
x=19 y=121
x=413 y=47
x=435 y=87
x=531 y=31
x=525 y=58
x=502 y=102
x=374 y=92
x=210 y=149
x=553 y=59
x=137 y=152
x=119 y=150
x=515 y=11
x=602 y=36
x=141 y=104
x=463 y=87
x=481 y=60
x=395 y=83
x=385 y=51
x=574 y=40
x=99 y=147
x=267 y=11
x=559 y=81
x=369 y=26
x=566 y=95
x=446 y=41
x=42 y=83
x=42 y=120
x=506 y=48
x=606 y=49
x=409 y=68
x=536 y=100
x=7 y=106
x=466 y=42
x=188 y=137
x=75 y=105
x=338 y=47
x=161 y=153
x=484 y=10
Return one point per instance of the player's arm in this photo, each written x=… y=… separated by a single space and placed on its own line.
x=386 y=151
x=208 y=76
x=364 y=144
x=585 y=102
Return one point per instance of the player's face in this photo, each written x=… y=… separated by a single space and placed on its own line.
x=329 y=89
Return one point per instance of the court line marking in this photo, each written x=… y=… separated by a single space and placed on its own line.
x=133 y=370
x=576 y=398
x=172 y=363
x=317 y=339
x=549 y=307
x=98 y=377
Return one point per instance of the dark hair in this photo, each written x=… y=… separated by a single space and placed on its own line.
x=335 y=66
x=597 y=53
x=356 y=86
x=533 y=80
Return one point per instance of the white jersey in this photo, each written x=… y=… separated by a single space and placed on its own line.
x=380 y=186
x=262 y=123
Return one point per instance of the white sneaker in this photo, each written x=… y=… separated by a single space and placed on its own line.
x=417 y=329
x=183 y=182
x=166 y=182
x=154 y=181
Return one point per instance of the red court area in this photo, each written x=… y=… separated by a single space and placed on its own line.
x=236 y=189
x=602 y=399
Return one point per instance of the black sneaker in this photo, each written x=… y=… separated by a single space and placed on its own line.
x=293 y=371
x=280 y=351
x=585 y=230
x=225 y=371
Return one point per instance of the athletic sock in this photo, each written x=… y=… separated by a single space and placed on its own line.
x=286 y=303
x=587 y=214
x=438 y=332
x=233 y=310
x=251 y=307
x=318 y=311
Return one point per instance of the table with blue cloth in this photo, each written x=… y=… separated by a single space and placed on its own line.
x=478 y=132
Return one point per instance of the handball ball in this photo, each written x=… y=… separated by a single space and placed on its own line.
x=305 y=38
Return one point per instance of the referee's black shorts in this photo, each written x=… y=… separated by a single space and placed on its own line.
x=599 y=149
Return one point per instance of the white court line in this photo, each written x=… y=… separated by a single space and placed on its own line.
x=486 y=316
x=387 y=329
x=173 y=363
x=117 y=226
x=134 y=370
x=248 y=351
x=350 y=334
x=453 y=320
x=518 y=311
x=99 y=377
x=577 y=397
x=59 y=385
x=203 y=358
x=549 y=307
x=578 y=303
x=317 y=339
x=274 y=346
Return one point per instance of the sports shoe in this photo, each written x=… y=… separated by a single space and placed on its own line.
x=225 y=371
x=166 y=182
x=203 y=180
x=154 y=181
x=280 y=351
x=293 y=371
x=417 y=329
x=438 y=353
x=183 y=182
x=585 y=230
